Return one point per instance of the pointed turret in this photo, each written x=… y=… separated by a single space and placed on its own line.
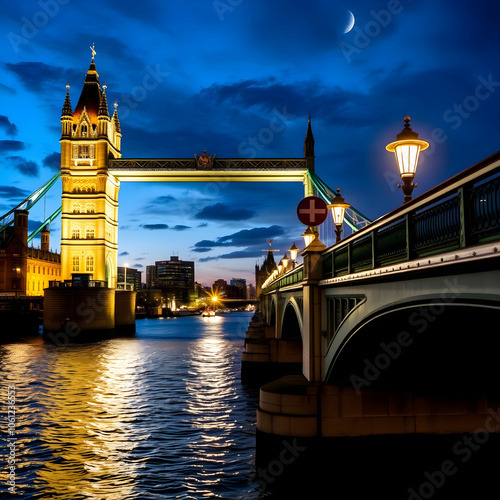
x=309 y=153
x=309 y=140
x=103 y=105
x=66 y=115
x=67 y=110
x=116 y=120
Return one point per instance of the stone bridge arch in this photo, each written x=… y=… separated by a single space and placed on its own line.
x=291 y=322
x=440 y=338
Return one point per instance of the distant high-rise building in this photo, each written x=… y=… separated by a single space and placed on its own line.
x=151 y=277
x=241 y=283
x=176 y=277
x=132 y=277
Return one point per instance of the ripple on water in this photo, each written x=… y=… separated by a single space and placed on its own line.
x=158 y=415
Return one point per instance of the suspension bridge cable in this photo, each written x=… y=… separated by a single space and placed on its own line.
x=8 y=219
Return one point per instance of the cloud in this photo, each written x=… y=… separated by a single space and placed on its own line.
x=180 y=227
x=123 y=254
x=138 y=265
x=221 y=211
x=13 y=193
x=38 y=76
x=243 y=238
x=52 y=161
x=26 y=167
x=238 y=254
x=155 y=227
x=33 y=225
x=158 y=202
x=7 y=126
x=201 y=249
x=8 y=145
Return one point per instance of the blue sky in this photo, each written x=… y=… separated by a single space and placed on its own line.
x=205 y=74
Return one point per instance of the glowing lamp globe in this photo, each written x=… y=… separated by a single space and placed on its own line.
x=285 y=261
x=308 y=236
x=294 y=251
x=407 y=150
x=338 y=207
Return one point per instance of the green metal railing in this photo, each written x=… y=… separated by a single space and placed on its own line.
x=291 y=278
x=465 y=215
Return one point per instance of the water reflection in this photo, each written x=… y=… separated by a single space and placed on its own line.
x=160 y=415
x=90 y=405
x=212 y=395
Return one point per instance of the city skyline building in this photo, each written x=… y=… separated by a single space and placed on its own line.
x=176 y=277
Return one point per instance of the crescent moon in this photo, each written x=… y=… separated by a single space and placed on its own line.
x=350 y=22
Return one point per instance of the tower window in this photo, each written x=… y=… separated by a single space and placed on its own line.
x=84 y=130
x=75 y=233
x=76 y=263
x=83 y=151
x=89 y=264
x=90 y=233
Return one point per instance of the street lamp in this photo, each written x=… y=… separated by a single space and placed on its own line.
x=280 y=267
x=294 y=251
x=285 y=260
x=125 y=270
x=309 y=235
x=407 y=151
x=338 y=208
x=18 y=270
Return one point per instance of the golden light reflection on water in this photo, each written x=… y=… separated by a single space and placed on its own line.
x=211 y=392
x=91 y=400
x=157 y=416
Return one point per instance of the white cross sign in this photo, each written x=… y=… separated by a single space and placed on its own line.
x=312 y=211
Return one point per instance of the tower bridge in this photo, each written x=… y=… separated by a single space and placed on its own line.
x=403 y=305
x=92 y=170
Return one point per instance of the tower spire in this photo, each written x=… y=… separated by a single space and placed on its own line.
x=103 y=105
x=309 y=140
x=116 y=119
x=67 y=109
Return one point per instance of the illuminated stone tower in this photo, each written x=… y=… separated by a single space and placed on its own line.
x=89 y=139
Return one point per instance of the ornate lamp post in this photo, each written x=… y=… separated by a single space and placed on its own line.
x=125 y=279
x=285 y=260
x=309 y=235
x=407 y=151
x=338 y=208
x=18 y=271
x=294 y=251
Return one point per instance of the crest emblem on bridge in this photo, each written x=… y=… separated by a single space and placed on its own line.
x=312 y=211
x=204 y=161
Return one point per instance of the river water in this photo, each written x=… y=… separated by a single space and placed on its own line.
x=162 y=414
x=158 y=415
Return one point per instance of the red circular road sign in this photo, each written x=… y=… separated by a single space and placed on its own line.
x=312 y=211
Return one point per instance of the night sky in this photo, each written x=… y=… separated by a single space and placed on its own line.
x=203 y=74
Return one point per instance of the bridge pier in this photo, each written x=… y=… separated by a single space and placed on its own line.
x=265 y=357
x=397 y=440
x=312 y=357
x=292 y=406
x=86 y=313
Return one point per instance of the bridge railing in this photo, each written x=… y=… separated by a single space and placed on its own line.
x=462 y=212
x=288 y=279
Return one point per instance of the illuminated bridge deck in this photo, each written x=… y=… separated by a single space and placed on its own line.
x=221 y=170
